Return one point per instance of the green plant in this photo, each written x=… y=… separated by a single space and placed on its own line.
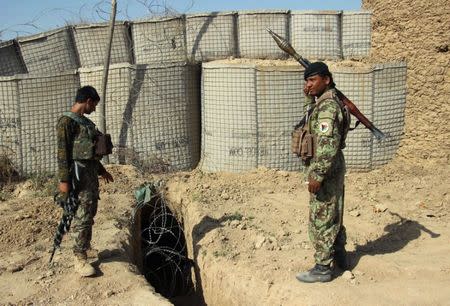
x=235 y=216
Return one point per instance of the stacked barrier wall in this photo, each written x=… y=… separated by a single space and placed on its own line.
x=317 y=34
x=211 y=36
x=253 y=39
x=49 y=52
x=91 y=42
x=229 y=126
x=10 y=142
x=389 y=109
x=42 y=101
x=357 y=86
x=356 y=34
x=159 y=40
x=248 y=112
x=165 y=116
x=10 y=60
x=280 y=102
x=118 y=106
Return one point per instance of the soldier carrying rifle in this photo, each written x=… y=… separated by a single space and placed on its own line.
x=80 y=148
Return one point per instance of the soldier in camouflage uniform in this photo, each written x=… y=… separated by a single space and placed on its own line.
x=329 y=121
x=78 y=170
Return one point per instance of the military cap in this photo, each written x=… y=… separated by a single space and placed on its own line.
x=316 y=68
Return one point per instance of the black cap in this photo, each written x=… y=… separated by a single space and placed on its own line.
x=316 y=68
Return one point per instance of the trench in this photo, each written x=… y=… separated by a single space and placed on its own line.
x=160 y=251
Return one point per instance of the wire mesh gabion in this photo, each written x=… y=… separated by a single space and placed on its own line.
x=389 y=109
x=248 y=112
x=211 y=36
x=49 y=52
x=356 y=34
x=247 y=116
x=357 y=86
x=165 y=115
x=159 y=40
x=10 y=60
x=10 y=142
x=91 y=41
x=42 y=100
x=317 y=34
x=118 y=108
x=253 y=39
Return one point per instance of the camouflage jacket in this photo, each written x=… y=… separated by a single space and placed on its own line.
x=68 y=133
x=329 y=125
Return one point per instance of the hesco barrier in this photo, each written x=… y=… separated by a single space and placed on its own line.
x=152 y=113
x=10 y=60
x=30 y=107
x=389 y=108
x=165 y=116
x=49 y=52
x=248 y=112
x=357 y=85
x=91 y=41
x=118 y=96
x=317 y=34
x=161 y=40
x=211 y=36
x=10 y=142
x=253 y=39
x=197 y=38
x=356 y=34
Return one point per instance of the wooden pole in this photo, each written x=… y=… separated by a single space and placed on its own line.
x=102 y=110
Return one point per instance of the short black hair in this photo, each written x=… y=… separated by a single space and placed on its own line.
x=87 y=92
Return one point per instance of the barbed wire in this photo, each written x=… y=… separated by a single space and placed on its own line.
x=165 y=262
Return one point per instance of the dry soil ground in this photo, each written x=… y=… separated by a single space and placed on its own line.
x=248 y=235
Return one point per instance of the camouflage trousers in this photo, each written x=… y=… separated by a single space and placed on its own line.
x=87 y=189
x=326 y=207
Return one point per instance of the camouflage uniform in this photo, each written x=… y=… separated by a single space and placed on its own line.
x=86 y=182
x=329 y=125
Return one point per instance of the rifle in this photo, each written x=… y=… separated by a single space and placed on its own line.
x=286 y=47
x=70 y=207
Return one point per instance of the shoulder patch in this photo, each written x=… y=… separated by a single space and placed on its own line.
x=324 y=127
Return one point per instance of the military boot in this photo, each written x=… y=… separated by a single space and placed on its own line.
x=341 y=259
x=320 y=273
x=82 y=266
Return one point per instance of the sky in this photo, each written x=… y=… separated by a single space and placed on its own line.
x=26 y=17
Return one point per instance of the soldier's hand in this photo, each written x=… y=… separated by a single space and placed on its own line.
x=306 y=91
x=107 y=177
x=64 y=187
x=313 y=185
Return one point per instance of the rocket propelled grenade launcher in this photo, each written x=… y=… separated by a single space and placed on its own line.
x=286 y=47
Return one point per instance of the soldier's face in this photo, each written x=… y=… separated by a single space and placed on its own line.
x=316 y=85
x=90 y=106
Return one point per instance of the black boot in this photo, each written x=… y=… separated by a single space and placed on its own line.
x=320 y=273
x=341 y=259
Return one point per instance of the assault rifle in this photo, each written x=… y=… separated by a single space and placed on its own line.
x=286 y=47
x=70 y=207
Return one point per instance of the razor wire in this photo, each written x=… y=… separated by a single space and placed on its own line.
x=165 y=262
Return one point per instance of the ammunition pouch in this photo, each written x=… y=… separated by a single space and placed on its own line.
x=302 y=144
x=103 y=144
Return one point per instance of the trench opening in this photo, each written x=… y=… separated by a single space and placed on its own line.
x=160 y=248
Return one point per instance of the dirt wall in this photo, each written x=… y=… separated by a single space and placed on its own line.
x=417 y=32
